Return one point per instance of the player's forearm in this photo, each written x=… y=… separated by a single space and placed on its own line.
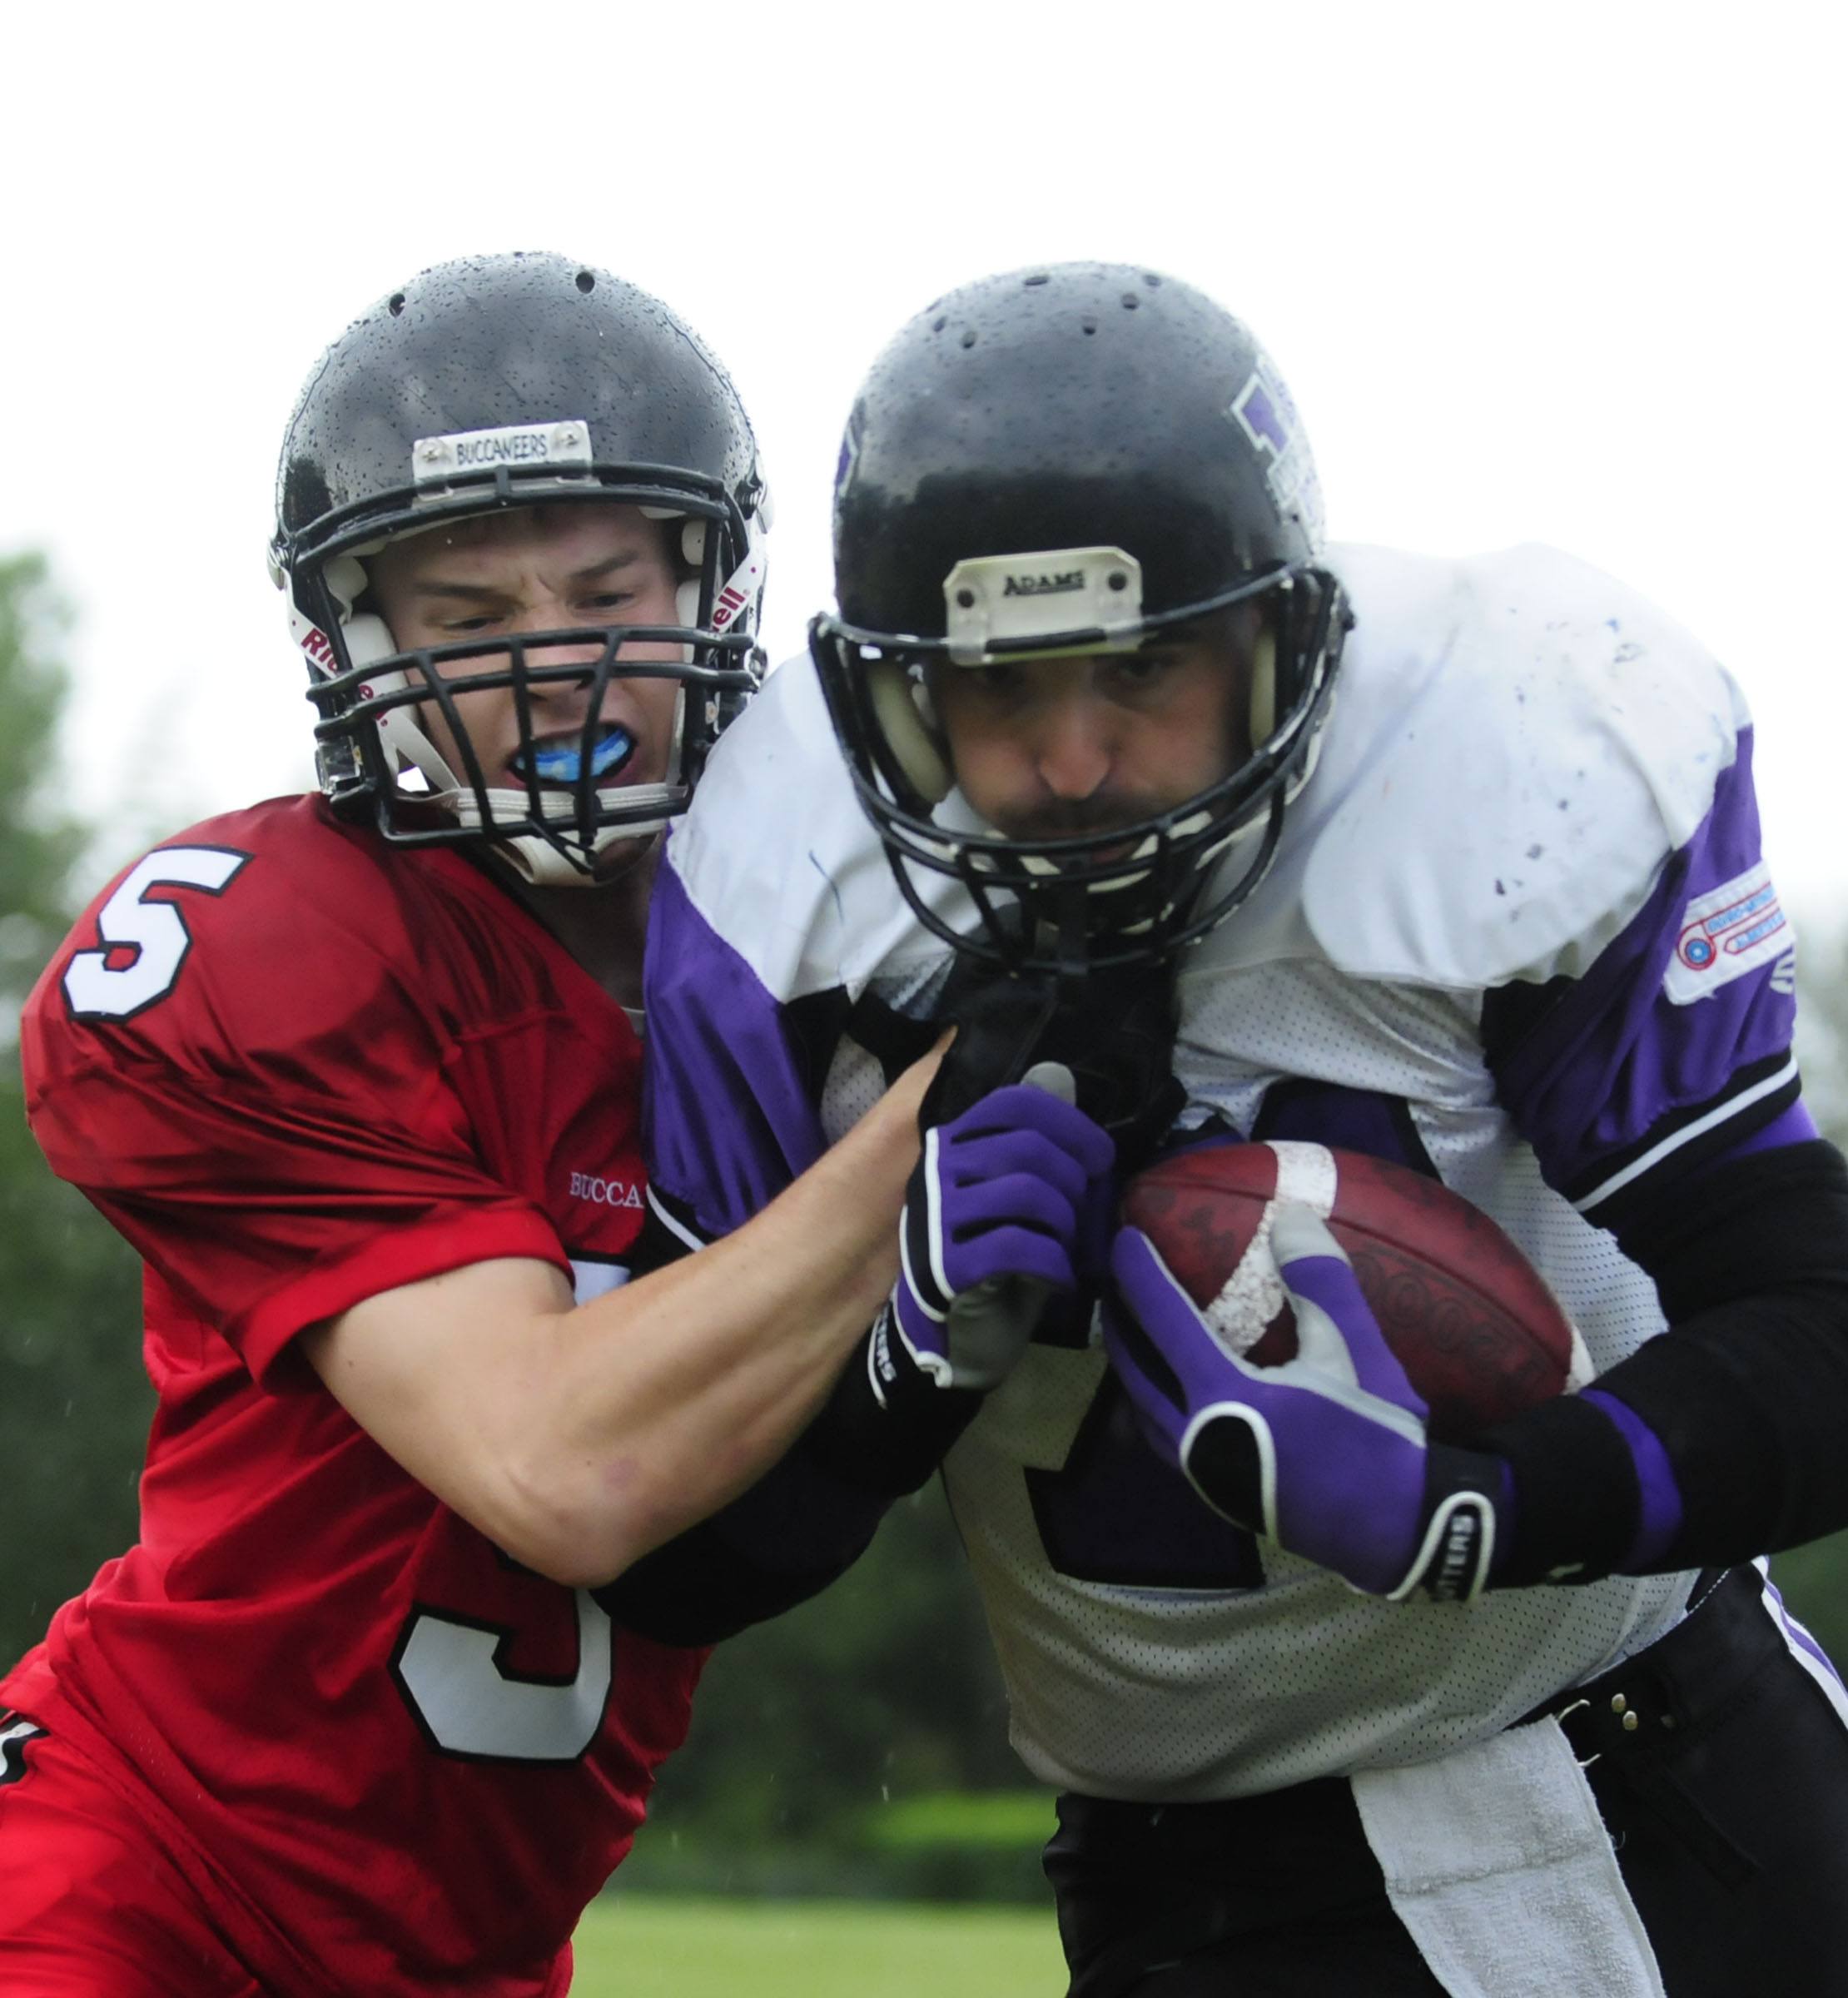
x=578 y=1438
x=1739 y=1406
x=673 y=1394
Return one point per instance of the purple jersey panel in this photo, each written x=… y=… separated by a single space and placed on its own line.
x=1348 y=1120
x=1675 y=1044
x=1659 y=1512
x=726 y=1121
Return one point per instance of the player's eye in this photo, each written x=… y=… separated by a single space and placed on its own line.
x=1144 y=669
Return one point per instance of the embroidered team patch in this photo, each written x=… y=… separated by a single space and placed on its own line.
x=1729 y=930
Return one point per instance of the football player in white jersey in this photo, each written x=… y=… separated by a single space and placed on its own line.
x=1456 y=863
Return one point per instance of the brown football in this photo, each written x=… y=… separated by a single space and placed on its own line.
x=1471 y=1321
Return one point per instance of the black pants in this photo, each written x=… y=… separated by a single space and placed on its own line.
x=1728 y=1803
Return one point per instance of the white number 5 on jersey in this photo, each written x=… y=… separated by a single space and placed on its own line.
x=155 y=930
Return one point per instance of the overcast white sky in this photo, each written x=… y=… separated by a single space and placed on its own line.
x=1564 y=272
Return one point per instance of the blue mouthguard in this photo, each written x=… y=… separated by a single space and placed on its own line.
x=561 y=764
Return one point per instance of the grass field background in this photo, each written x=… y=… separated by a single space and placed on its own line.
x=658 y=1946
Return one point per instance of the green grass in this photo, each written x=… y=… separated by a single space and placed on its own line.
x=987 y=1821
x=649 y=1946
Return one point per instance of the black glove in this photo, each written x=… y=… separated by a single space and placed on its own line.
x=890 y=1421
x=1113 y=1031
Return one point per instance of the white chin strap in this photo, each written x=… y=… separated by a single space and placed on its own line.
x=570 y=862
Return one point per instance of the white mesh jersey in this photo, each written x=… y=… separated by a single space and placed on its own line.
x=1529 y=781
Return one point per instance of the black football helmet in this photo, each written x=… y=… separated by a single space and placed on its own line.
x=1063 y=461
x=494 y=382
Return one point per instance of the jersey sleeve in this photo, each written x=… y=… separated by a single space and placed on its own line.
x=247 y=1071
x=1672 y=1045
x=1537 y=796
x=773 y=910
x=729 y=1115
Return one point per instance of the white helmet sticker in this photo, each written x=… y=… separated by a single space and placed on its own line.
x=1266 y=412
x=994 y=602
x=522 y=446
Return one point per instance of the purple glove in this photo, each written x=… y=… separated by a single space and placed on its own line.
x=990 y=1227
x=1326 y=1455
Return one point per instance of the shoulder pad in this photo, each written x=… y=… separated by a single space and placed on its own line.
x=778 y=856
x=1519 y=742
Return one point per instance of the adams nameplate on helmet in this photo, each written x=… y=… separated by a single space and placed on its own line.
x=990 y=600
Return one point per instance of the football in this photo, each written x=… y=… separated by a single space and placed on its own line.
x=1477 y=1332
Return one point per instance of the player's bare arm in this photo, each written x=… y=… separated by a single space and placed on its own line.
x=578 y=1438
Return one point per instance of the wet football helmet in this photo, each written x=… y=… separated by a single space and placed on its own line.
x=494 y=382
x=1063 y=462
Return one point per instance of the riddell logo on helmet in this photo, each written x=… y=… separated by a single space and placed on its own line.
x=1044 y=586
x=315 y=644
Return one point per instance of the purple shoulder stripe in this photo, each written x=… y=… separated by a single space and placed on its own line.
x=728 y=1123
x=1674 y=1046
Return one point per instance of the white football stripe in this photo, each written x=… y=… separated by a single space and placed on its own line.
x=1253 y=1294
x=933 y=1236
x=1804 y=1648
x=1686 y=1134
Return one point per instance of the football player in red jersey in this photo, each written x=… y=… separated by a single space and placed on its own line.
x=428 y=1553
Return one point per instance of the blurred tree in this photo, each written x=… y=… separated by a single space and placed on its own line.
x=74 y=1403
x=809 y=1731
x=1822 y=1030
x=40 y=843
x=1814 y=1579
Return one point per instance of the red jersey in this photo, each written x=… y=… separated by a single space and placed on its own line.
x=296 y=1068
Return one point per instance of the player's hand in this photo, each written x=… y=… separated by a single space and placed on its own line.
x=1326 y=1455
x=993 y=1221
